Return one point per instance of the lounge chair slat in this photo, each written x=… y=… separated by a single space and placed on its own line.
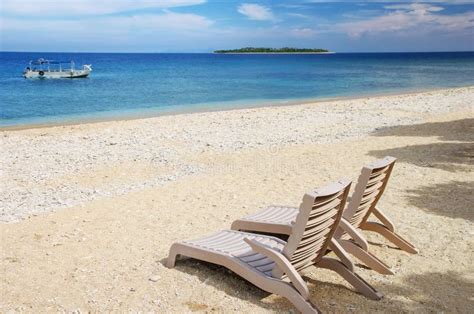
x=306 y=258
x=212 y=239
x=267 y=267
x=282 y=214
x=377 y=178
x=308 y=245
x=324 y=209
x=319 y=228
x=250 y=257
x=378 y=171
x=262 y=262
x=369 y=197
x=285 y=215
x=276 y=212
x=314 y=223
x=324 y=200
x=308 y=251
x=372 y=188
x=323 y=225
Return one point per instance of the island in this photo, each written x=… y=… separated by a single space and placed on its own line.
x=274 y=50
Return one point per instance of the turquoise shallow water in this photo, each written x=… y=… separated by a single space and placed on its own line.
x=124 y=85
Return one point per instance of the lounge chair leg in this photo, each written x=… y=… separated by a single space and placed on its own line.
x=171 y=260
x=287 y=291
x=365 y=257
x=390 y=236
x=302 y=305
x=355 y=280
x=383 y=219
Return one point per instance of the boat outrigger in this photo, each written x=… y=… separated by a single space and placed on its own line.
x=43 y=68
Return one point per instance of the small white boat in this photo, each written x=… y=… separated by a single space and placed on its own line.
x=43 y=68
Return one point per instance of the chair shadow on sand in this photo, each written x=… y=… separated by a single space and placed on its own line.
x=446 y=199
x=233 y=285
x=456 y=154
x=457 y=130
x=432 y=292
x=420 y=289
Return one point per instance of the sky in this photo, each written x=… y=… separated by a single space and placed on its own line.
x=207 y=25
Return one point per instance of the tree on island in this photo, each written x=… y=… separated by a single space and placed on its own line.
x=273 y=50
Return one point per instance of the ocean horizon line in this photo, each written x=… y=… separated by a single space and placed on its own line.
x=211 y=52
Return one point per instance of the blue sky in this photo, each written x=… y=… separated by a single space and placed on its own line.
x=203 y=26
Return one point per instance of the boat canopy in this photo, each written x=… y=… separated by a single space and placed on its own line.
x=43 y=61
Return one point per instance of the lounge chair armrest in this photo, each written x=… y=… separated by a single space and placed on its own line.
x=341 y=253
x=355 y=235
x=283 y=263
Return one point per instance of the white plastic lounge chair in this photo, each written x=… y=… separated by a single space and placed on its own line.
x=275 y=265
x=368 y=190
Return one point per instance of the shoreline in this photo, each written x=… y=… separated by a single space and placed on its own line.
x=204 y=109
x=33 y=157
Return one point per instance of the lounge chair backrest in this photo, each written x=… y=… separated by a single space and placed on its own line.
x=368 y=190
x=317 y=219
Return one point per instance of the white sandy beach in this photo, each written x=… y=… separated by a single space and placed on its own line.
x=89 y=211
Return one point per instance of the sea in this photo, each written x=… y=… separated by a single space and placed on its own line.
x=128 y=85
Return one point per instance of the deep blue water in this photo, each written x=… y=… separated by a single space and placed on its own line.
x=150 y=84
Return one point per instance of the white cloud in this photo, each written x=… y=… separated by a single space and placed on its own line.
x=167 y=32
x=416 y=8
x=85 y=7
x=415 y=18
x=304 y=32
x=168 y=21
x=256 y=12
x=298 y=15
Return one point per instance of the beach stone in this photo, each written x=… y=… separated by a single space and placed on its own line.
x=154 y=278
